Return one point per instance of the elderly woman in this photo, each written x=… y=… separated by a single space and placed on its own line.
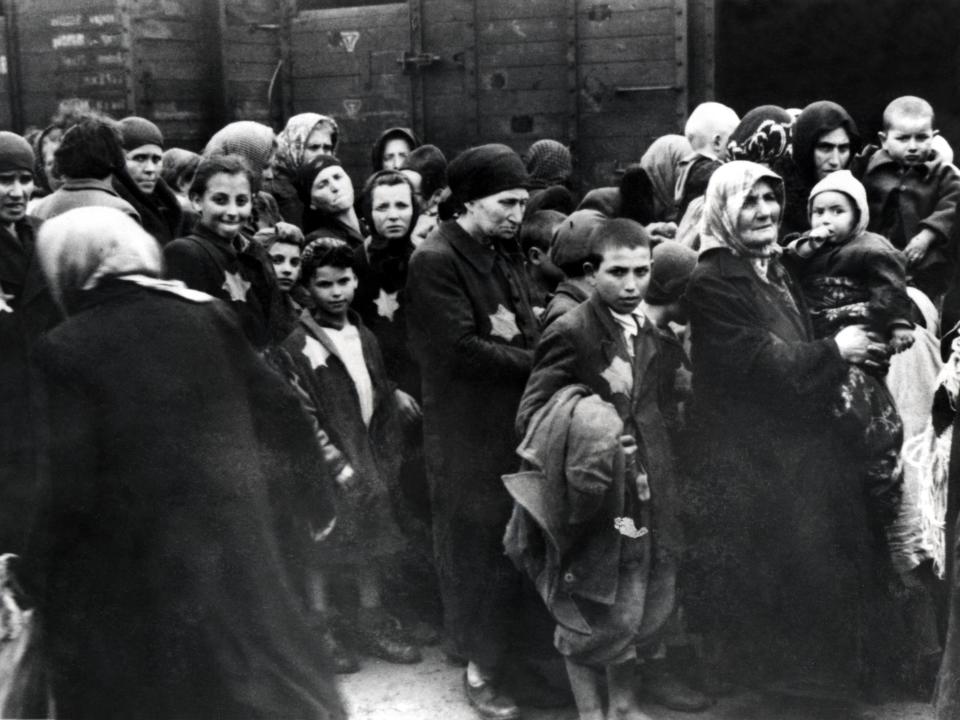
x=786 y=561
x=327 y=193
x=161 y=556
x=303 y=138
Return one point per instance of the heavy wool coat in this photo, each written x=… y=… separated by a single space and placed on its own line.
x=783 y=570
x=26 y=310
x=161 y=559
x=366 y=528
x=472 y=331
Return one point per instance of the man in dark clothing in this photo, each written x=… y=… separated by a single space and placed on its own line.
x=473 y=331
x=26 y=310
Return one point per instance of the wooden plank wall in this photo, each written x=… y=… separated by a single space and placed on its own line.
x=76 y=49
x=6 y=118
x=251 y=54
x=344 y=64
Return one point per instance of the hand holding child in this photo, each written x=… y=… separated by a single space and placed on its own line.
x=900 y=339
x=918 y=246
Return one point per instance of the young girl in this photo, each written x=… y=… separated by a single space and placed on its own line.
x=216 y=257
x=340 y=366
x=853 y=277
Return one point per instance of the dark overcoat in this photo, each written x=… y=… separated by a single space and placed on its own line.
x=175 y=458
x=472 y=331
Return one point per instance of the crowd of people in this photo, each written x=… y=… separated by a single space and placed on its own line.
x=661 y=440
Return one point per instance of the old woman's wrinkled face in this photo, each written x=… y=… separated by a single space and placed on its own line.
x=759 y=217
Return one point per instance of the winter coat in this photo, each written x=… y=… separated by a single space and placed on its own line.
x=160 y=212
x=160 y=559
x=82 y=192
x=567 y=297
x=365 y=527
x=26 y=310
x=587 y=346
x=239 y=273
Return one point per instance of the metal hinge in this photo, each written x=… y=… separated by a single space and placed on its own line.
x=410 y=61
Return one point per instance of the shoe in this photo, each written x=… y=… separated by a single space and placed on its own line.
x=490 y=703
x=529 y=686
x=664 y=688
x=377 y=635
x=342 y=659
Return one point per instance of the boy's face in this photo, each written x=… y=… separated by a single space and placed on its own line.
x=622 y=278
x=286 y=264
x=831 y=153
x=908 y=139
x=332 y=288
x=833 y=210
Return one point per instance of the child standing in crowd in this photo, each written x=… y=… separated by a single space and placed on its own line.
x=610 y=574
x=543 y=275
x=913 y=194
x=853 y=277
x=216 y=258
x=340 y=365
x=569 y=250
x=708 y=130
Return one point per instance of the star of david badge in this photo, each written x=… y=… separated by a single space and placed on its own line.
x=4 y=298
x=316 y=353
x=503 y=323
x=387 y=304
x=619 y=376
x=235 y=286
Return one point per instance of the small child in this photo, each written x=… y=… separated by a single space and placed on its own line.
x=708 y=130
x=913 y=193
x=340 y=365
x=853 y=277
x=621 y=524
x=542 y=274
x=569 y=250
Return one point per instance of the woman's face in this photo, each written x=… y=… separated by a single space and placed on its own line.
x=759 y=217
x=391 y=208
x=319 y=142
x=831 y=153
x=225 y=205
x=332 y=190
x=395 y=153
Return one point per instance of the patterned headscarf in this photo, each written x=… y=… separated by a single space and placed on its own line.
x=726 y=193
x=251 y=140
x=762 y=136
x=82 y=247
x=549 y=162
x=662 y=162
x=293 y=138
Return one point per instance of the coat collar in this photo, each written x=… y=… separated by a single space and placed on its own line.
x=476 y=253
x=882 y=157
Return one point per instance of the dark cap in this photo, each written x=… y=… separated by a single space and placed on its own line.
x=486 y=170
x=673 y=264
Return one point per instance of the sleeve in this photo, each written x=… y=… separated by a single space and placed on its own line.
x=943 y=219
x=886 y=274
x=554 y=367
x=442 y=325
x=726 y=329
x=185 y=264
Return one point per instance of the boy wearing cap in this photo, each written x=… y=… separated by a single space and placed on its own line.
x=626 y=594
x=472 y=330
x=26 y=310
x=569 y=250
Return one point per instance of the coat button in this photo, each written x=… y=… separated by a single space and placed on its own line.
x=569 y=577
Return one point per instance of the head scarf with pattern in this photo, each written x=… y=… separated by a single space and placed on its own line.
x=762 y=136
x=293 y=139
x=723 y=201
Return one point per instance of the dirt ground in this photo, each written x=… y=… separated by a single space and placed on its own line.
x=432 y=689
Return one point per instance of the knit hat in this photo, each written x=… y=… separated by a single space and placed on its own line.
x=571 y=239
x=549 y=162
x=485 y=170
x=308 y=173
x=843 y=181
x=15 y=153
x=673 y=264
x=138 y=131
x=251 y=140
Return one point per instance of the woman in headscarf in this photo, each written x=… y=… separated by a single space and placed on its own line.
x=784 y=574
x=305 y=136
x=162 y=554
x=763 y=136
x=662 y=162
x=824 y=139
x=326 y=191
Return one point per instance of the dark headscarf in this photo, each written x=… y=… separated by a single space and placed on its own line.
x=308 y=173
x=816 y=120
x=388 y=257
x=394 y=133
x=762 y=136
x=486 y=170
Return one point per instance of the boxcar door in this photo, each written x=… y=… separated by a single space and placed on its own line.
x=346 y=61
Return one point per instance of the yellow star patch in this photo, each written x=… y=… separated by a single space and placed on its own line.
x=316 y=353
x=619 y=376
x=387 y=304
x=4 y=297
x=235 y=286
x=503 y=323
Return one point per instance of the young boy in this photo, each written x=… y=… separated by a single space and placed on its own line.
x=339 y=364
x=569 y=250
x=708 y=129
x=853 y=277
x=913 y=194
x=542 y=274
x=608 y=345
